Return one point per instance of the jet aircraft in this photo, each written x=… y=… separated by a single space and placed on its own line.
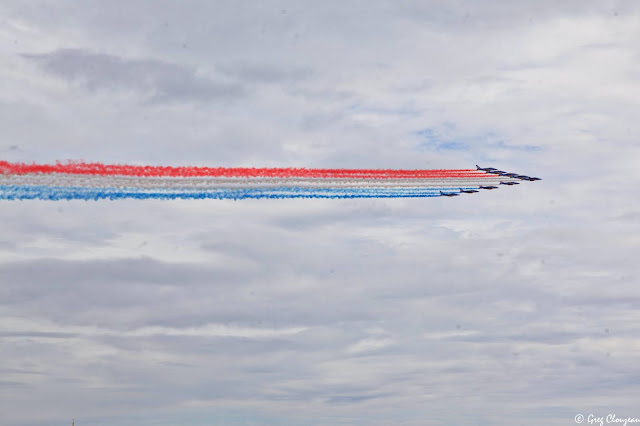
x=485 y=169
x=494 y=171
x=509 y=183
x=468 y=191
x=488 y=187
x=449 y=194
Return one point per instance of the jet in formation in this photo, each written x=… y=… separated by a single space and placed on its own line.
x=485 y=169
x=494 y=171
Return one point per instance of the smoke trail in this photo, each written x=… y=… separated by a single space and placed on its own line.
x=17 y=192
x=125 y=170
x=96 y=181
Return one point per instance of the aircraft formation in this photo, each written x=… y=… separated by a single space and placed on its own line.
x=494 y=171
x=96 y=181
x=511 y=180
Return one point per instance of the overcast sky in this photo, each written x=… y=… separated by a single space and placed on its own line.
x=515 y=306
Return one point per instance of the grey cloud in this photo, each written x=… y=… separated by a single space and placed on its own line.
x=12 y=385
x=20 y=371
x=161 y=81
x=199 y=293
x=262 y=73
x=505 y=13
x=52 y=335
x=549 y=337
x=198 y=345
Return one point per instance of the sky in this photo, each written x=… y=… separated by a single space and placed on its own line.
x=514 y=306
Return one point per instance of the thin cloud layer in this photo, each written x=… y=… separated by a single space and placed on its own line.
x=159 y=80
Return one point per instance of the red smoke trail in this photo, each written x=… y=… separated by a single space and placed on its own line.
x=284 y=172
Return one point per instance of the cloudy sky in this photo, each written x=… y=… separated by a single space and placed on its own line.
x=515 y=306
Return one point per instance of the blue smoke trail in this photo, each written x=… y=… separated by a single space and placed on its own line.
x=41 y=192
